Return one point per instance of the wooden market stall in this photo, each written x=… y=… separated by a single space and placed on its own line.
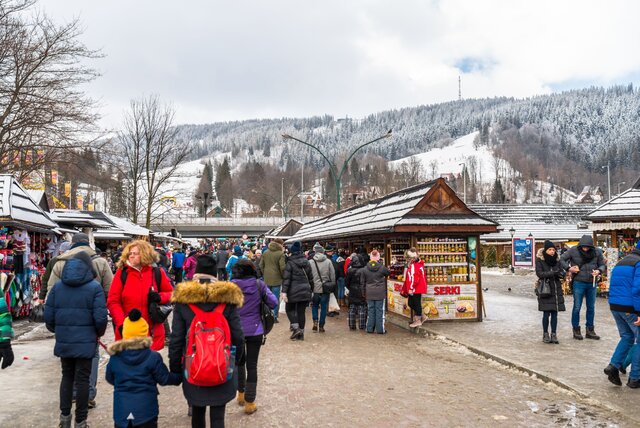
x=27 y=241
x=427 y=216
x=616 y=226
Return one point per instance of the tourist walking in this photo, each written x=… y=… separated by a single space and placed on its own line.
x=624 y=302
x=415 y=284
x=222 y=257
x=323 y=275
x=76 y=312
x=357 y=301
x=233 y=259
x=374 y=280
x=272 y=265
x=177 y=262
x=138 y=282
x=6 y=328
x=190 y=265
x=585 y=262
x=255 y=291
x=135 y=370
x=548 y=269
x=297 y=283
x=205 y=294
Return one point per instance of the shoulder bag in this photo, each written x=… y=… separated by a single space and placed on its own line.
x=543 y=287
x=327 y=287
x=266 y=313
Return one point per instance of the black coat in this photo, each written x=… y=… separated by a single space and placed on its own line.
x=555 y=274
x=297 y=281
x=575 y=257
x=354 y=283
x=206 y=296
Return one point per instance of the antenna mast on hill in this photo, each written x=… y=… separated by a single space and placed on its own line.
x=459 y=88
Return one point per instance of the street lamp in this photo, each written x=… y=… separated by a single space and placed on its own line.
x=332 y=167
x=622 y=182
x=205 y=203
x=512 y=231
x=608 y=178
x=464 y=180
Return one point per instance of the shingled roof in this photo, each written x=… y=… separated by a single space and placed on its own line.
x=18 y=209
x=554 y=222
x=428 y=207
x=623 y=208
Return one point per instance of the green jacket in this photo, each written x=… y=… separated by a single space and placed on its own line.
x=6 y=329
x=272 y=264
x=45 y=279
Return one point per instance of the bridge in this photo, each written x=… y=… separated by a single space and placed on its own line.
x=220 y=227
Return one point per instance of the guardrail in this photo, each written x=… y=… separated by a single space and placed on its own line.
x=185 y=220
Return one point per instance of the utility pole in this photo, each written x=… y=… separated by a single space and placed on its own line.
x=459 y=88
x=302 y=197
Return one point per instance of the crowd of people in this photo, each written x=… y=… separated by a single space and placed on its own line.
x=226 y=287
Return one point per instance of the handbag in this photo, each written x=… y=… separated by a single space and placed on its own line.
x=327 y=287
x=543 y=288
x=158 y=312
x=37 y=314
x=266 y=314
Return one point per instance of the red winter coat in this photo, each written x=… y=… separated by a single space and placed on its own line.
x=415 y=279
x=134 y=295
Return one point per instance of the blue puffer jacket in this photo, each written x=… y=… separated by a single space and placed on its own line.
x=178 y=259
x=624 y=287
x=76 y=310
x=134 y=370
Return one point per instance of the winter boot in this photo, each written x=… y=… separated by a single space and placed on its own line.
x=577 y=334
x=591 y=333
x=613 y=374
x=250 y=395
x=65 y=421
x=82 y=424
x=546 y=338
x=250 y=408
x=315 y=326
x=321 y=329
x=554 y=338
x=294 y=328
x=240 y=398
x=300 y=335
x=417 y=322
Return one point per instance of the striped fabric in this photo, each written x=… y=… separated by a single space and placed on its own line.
x=6 y=330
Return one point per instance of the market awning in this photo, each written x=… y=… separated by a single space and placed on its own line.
x=609 y=226
x=18 y=209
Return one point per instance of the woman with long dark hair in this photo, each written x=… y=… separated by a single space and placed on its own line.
x=548 y=269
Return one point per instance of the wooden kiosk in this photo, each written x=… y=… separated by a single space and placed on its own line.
x=429 y=217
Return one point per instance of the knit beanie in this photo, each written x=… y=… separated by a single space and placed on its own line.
x=134 y=325
x=207 y=265
x=237 y=251
x=374 y=256
x=317 y=248
x=548 y=244
x=296 y=247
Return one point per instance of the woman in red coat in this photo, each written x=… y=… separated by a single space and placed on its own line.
x=415 y=282
x=138 y=258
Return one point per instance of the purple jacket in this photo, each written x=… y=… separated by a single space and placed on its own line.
x=253 y=289
x=190 y=267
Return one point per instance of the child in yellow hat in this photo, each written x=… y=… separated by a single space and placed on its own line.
x=135 y=371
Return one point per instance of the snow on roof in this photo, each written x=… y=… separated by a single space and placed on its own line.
x=127 y=227
x=625 y=206
x=16 y=205
x=82 y=218
x=383 y=215
x=554 y=222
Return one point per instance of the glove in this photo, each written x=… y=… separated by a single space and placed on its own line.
x=6 y=354
x=284 y=298
x=154 y=297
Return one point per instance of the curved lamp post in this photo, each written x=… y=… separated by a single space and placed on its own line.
x=332 y=167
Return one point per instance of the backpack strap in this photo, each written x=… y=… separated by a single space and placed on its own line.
x=220 y=307
x=123 y=275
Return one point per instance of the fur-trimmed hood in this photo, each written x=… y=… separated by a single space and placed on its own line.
x=540 y=254
x=133 y=344
x=190 y=292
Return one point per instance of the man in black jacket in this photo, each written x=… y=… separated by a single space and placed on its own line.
x=222 y=256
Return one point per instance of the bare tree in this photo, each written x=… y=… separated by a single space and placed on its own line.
x=41 y=105
x=151 y=152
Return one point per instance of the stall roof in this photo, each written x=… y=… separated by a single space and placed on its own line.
x=430 y=206
x=285 y=230
x=127 y=227
x=95 y=219
x=625 y=207
x=19 y=209
x=553 y=222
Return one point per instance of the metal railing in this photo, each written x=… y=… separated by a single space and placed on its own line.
x=177 y=220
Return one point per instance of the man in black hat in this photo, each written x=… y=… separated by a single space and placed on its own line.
x=206 y=270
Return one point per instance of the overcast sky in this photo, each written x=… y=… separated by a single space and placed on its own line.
x=233 y=60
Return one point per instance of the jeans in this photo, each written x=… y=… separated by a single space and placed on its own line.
x=296 y=313
x=554 y=321
x=216 y=416
x=275 y=289
x=580 y=290
x=628 y=336
x=340 y=288
x=321 y=300
x=375 y=316
x=629 y=358
x=248 y=367
x=75 y=371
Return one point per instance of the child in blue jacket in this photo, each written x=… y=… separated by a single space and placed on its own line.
x=135 y=371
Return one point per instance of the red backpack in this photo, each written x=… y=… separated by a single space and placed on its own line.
x=209 y=359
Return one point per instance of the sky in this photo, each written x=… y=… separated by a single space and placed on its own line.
x=221 y=60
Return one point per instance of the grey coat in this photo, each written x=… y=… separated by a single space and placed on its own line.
x=100 y=265
x=325 y=270
x=373 y=278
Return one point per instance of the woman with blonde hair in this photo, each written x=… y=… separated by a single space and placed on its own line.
x=136 y=283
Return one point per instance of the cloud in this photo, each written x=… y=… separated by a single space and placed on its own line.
x=228 y=60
